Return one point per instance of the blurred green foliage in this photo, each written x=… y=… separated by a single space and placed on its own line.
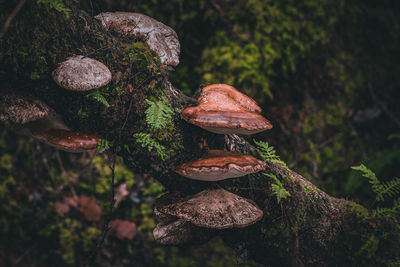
x=32 y=231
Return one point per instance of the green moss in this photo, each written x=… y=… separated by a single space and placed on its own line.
x=6 y=162
x=361 y=212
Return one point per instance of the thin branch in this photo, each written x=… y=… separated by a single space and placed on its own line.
x=383 y=107
x=106 y=226
x=8 y=21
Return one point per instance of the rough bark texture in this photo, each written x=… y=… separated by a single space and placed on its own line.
x=309 y=228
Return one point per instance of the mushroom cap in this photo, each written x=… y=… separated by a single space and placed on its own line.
x=160 y=38
x=242 y=99
x=212 y=208
x=67 y=140
x=79 y=73
x=226 y=122
x=21 y=108
x=224 y=110
x=219 y=165
x=180 y=232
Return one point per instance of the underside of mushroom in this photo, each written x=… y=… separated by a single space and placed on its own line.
x=224 y=110
x=219 y=165
x=180 y=232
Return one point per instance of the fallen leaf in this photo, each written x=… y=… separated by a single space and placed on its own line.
x=122 y=229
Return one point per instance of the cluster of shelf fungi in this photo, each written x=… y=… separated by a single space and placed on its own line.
x=221 y=109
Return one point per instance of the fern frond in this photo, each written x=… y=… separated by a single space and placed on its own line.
x=390 y=188
x=393 y=212
x=158 y=114
x=148 y=142
x=56 y=5
x=269 y=154
x=103 y=145
x=277 y=188
x=96 y=95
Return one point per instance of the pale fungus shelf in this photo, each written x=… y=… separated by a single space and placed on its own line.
x=219 y=165
x=160 y=38
x=79 y=73
x=224 y=110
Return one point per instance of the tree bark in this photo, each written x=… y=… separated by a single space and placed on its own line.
x=310 y=228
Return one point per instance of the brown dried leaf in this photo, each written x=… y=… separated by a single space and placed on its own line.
x=122 y=229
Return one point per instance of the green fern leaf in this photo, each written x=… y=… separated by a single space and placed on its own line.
x=148 y=142
x=56 y=5
x=158 y=114
x=278 y=189
x=390 y=188
x=269 y=154
x=96 y=95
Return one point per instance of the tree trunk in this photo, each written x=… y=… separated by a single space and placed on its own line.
x=308 y=228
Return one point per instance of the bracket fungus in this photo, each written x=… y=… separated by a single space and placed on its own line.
x=224 y=110
x=230 y=91
x=212 y=209
x=160 y=38
x=219 y=165
x=68 y=140
x=27 y=115
x=180 y=232
x=18 y=108
x=79 y=73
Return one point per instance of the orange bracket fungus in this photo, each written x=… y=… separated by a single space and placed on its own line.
x=68 y=141
x=219 y=165
x=224 y=110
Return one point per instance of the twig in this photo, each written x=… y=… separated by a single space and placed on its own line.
x=106 y=226
x=383 y=107
x=8 y=21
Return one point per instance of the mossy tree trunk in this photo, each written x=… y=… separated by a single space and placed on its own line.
x=309 y=228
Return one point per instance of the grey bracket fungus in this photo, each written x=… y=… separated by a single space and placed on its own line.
x=212 y=208
x=219 y=165
x=21 y=108
x=160 y=38
x=224 y=110
x=79 y=73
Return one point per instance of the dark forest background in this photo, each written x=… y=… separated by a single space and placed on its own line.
x=325 y=72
